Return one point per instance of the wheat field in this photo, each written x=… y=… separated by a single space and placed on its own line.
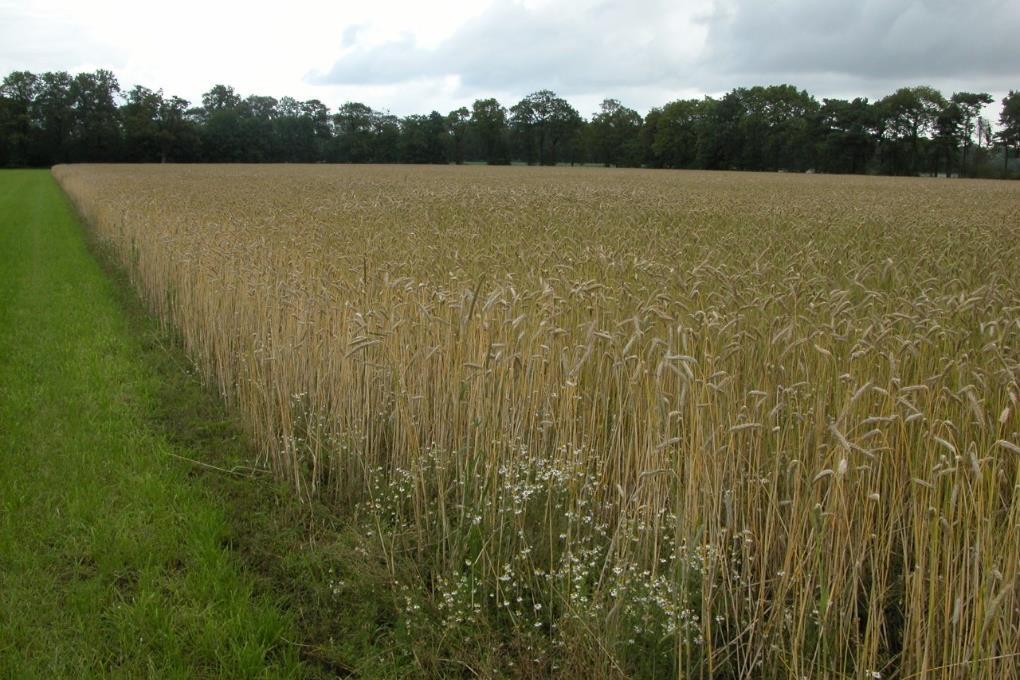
x=647 y=423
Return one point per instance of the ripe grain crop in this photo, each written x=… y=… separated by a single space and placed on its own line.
x=651 y=423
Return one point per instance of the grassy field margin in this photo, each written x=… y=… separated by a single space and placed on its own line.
x=112 y=561
x=312 y=557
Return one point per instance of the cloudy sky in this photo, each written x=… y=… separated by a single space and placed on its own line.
x=417 y=55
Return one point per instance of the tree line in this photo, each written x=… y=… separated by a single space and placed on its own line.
x=56 y=117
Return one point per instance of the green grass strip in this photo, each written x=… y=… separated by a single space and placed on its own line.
x=113 y=562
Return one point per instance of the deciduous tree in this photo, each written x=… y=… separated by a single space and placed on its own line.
x=489 y=124
x=969 y=105
x=616 y=134
x=1009 y=123
x=542 y=121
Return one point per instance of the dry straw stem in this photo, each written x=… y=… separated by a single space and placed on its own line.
x=785 y=404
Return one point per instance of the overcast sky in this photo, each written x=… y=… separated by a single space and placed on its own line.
x=415 y=56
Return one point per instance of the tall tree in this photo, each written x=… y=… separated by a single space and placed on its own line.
x=677 y=125
x=616 y=134
x=721 y=136
x=96 y=132
x=258 y=116
x=55 y=116
x=262 y=107
x=353 y=123
x=178 y=135
x=776 y=128
x=17 y=96
x=6 y=114
x=423 y=138
x=386 y=138
x=220 y=117
x=908 y=117
x=846 y=135
x=140 y=119
x=1009 y=124
x=457 y=124
x=489 y=125
x=302 y=130
x=949 y=126
x=969 y=105
x=219 y=98
x=542 y=121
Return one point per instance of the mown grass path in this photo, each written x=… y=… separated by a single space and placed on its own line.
x=112 y=561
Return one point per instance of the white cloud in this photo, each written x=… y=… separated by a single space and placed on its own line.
x=411 y=56
x=574 y=48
